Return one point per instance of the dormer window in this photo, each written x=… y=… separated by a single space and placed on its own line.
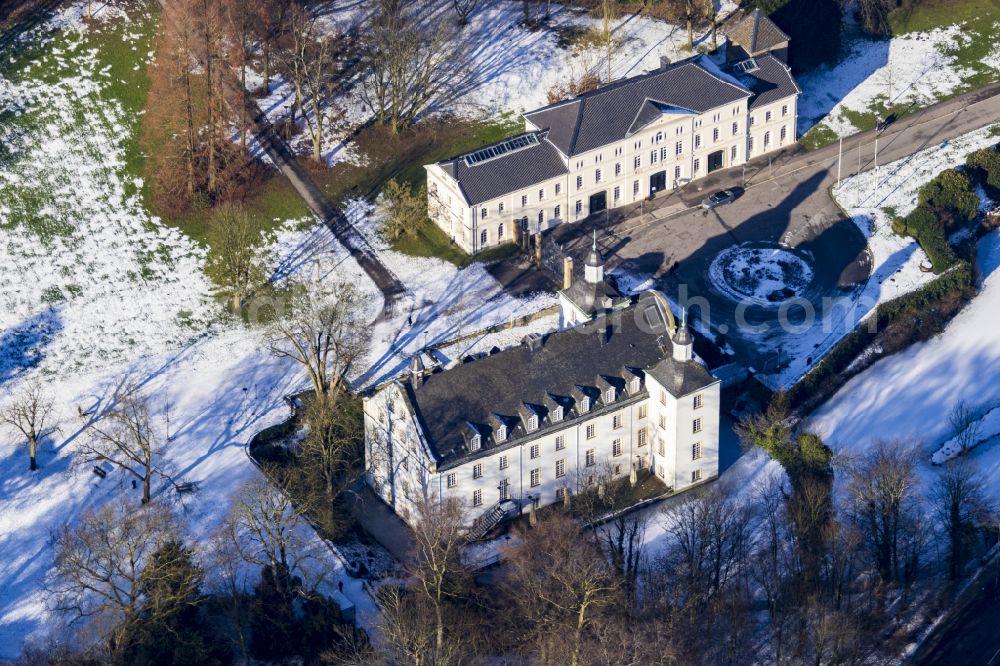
x=557 y=414
x=584 y=405
x=636 y=385
x=532 y=422
x=476 y=442
x=609 y=395
x=501 y=434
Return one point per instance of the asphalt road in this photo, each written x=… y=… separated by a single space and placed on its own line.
x=787 y=202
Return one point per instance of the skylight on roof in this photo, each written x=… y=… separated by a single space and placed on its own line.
x=508 y=146
x=746 y=66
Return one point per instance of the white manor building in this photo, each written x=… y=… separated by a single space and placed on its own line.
x=619 y=392
x=622 y=142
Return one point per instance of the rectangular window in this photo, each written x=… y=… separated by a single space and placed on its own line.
x=637 y=162
x=640 y=437
x=524 y=200
x=635 y=187
x=698 y=401
x=696 y=451
x=696 y=425
x=558 y=188
x=659 y=471
x=534 y=451
x=504 y=490
x=696 y=476
x=579 y=182
x=556 y=211
x=677 y=172
x=736 y=129
x=663 y=421
x=560 y=494
x=451 y=480
x=643 y=410
x=579 y=207
x=732 y=154
x=679 y=148
x=697 y=166
x=618 y=470
x=616 y=421
x=652 y=157
x=715 y=134
x=590 y=431
x=752 y=123
x=784 y=109
x=618 y=193
x=560 y=442
x=767 y=117
x=541 y=194
x=597 y=175
x=503 y=462
x=784 y=133
x=536 y=476
x=697 y=140
x=618 y=168
x=500 y=207
x=663 y=397
x=751 y=144
x=767 y=139
x=663 y=154
x=477 y=471
x=660 y=447
x=560 y=469
x=591 y=457
x=477 y=498
x=616 y=447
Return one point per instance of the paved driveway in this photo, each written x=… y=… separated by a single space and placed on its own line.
x=786 y=201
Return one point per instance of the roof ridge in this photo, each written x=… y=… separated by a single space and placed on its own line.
x=576 y=127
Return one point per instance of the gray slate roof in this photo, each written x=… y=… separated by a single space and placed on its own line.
x=756 y=33
x=591 y=297
x=608 y=114
x=773 y=81
x=510 y=172
x=476 y=396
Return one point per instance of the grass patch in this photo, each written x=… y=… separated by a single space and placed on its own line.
x=818 y=136
x=430 y=241
x=930 y=14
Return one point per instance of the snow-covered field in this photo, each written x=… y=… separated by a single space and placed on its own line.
x=509 y=68
x=910 y=395
x=914 y=69
x=94 y=289
x=896 y=260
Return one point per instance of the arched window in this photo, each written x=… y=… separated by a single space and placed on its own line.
x=659 y=137
x=483 y=238
x=767 y=138
x=499 y=232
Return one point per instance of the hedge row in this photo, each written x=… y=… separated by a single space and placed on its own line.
x=831 y=373
x=925 y=227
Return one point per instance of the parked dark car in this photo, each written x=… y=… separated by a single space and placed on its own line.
x=718 y=199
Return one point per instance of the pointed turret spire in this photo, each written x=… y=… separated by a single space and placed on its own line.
x=683 y=342
x=593 y=270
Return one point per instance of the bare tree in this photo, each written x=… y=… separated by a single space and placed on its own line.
x=334 y=443
x=559 y=581
x=962 y=505
x=102 y=571
x=608 y=10
x=126 y=437
x=270 y=531
x=712 y=14
x=27 y=413
x=884 y=491
x=323 y=331
x=236 y=260
x=240 y=25
x=409 y=61
x=436 y=566
x=965 y=425
x=464 y=9
x=270 y=23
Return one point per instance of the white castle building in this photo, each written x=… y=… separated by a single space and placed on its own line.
x=617 y=390
x=622 y=142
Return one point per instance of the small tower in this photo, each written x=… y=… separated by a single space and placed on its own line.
x=683 y=342
x=593 y=270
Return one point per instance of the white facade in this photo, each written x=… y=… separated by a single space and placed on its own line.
x=670 y=152
x=674 y=437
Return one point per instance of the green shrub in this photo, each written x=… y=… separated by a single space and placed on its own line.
x=950 y=195
x=987 y=162
x=899 y=226
x=923 y=224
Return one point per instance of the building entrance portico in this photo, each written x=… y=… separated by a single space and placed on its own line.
x=657 y=182
x=715 y=161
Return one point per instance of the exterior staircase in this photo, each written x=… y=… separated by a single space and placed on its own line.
x=492 y=517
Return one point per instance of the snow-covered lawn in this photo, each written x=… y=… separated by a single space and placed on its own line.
x=765 y=276
x=909 y=71
x=510 y=68
x=896 y=259
x=93 y=289
x=910 y=395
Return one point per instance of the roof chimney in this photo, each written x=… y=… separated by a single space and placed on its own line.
x=567 y=272
x=416 y=371
x=664 y=62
